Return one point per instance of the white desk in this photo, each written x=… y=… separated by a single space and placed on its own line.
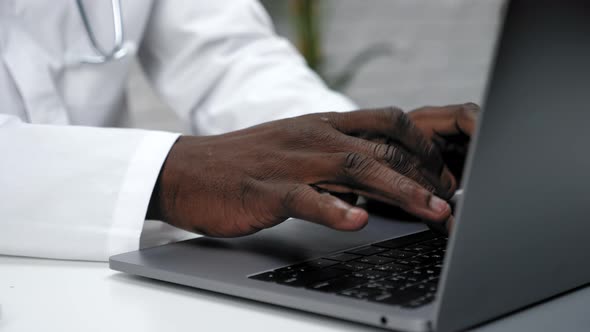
x=46 y=295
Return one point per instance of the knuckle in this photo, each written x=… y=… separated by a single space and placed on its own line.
x=422 y=109
x=247 y=188
x=470 y=107
x=248 y=193
x=428 y=186
x=467 y=112
x=415 y=175
x=420 y=180
x=394 y=113
x=463 y=112
x=352 y=160
x=388 y=153
x=328 y=117
x=291 y=198
x=391 y=115
x=404 y=166
x=355 y=164
x=399 y=119
x=398 y=160
x=407 y=189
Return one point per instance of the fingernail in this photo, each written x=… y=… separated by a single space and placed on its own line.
x=354 y=214
x=438 y=205
x=471 y=106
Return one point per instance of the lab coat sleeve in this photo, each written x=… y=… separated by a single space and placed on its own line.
x=74 y=192
x=221 y=66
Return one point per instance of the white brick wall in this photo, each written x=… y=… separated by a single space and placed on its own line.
x=441 y=52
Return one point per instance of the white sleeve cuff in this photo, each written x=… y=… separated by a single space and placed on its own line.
x=136 y=190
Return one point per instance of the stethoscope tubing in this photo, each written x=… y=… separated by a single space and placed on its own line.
x=102 y=56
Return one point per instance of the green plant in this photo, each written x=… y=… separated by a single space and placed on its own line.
x=306 y=18
x=306 y=23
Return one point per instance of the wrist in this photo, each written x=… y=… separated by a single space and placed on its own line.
x=158 y=204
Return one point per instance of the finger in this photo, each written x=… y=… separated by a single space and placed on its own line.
x=440 y=225
x=394 y=124
x=349 y=198
x=369 y=178
x=403 y=162
x=303 y=202
x=446 y=120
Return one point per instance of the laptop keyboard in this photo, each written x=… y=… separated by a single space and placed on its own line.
x=403 y=271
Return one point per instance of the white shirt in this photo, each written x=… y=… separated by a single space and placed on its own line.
x=74 y=187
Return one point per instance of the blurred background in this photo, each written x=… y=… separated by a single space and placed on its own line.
x=406 y=53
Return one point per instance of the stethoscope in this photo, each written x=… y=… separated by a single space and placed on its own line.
x=120 y=48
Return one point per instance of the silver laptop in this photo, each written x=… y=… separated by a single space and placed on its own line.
x=521 y=231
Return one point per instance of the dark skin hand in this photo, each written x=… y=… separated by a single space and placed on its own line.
x=244 y=181
x=437 y=124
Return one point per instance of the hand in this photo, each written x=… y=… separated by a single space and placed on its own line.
x=450 y=128
x=244 y=181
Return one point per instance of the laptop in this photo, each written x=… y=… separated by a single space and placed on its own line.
x=521 y=230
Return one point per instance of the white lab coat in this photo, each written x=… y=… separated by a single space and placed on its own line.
x=74 y=187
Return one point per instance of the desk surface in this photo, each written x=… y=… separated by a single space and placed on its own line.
x=49 y=295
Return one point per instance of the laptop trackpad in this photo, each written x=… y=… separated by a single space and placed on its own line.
x=288 y=243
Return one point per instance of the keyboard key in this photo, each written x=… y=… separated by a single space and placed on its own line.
x=407 y=240
x=431 y=272
x=436 y=255
x=366 y=251
x=398 y=254
x=343 y=257
x=352 y=266
x=418 y=248
x=414 y=280
x=320 y=263
x=290 y=269
x=403 y=271
x=399 y=277
x=267 y=276
x=392 y=267
x=419 y=261
x=423 y=288
x=433 y=284
x=385 y=285
x=436 y=243
x=311 y=277
x=339 y=284
x=296 y=268
x=375 y=260
x=418 y=275
x=398 y=281
x=407 y=262
x=370 y=274
x=437 y=268
x=432 y=288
